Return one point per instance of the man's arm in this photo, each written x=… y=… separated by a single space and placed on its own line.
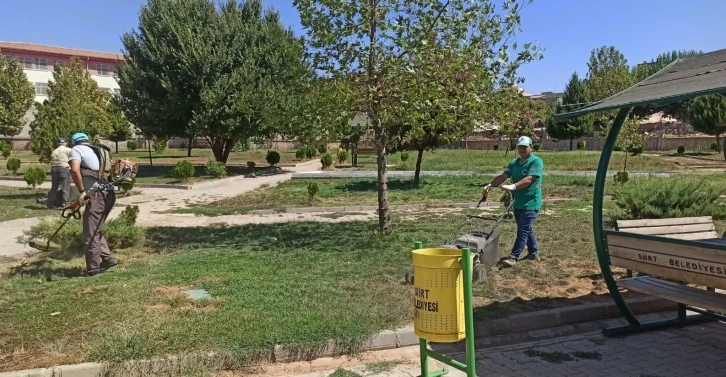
x=535 y=172
x=76 y=174
x=498 y=180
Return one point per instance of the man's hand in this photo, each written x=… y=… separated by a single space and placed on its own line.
x=509 y=187
x=83 y=199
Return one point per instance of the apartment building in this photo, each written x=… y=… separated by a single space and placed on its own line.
x=38 y=62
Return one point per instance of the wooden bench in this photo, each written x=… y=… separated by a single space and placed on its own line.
x=363 y=152
x=667 y=253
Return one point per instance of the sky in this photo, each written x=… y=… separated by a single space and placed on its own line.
x=567 y=30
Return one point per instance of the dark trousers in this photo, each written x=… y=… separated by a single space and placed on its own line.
x=96 y=247
x=60 y=187
x=525 y=233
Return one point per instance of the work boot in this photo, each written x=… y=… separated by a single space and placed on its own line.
x=108 y=263
x=508 y=261
x=531 y=257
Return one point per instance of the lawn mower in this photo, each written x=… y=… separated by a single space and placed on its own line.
x=483 y=243
x=122 y=173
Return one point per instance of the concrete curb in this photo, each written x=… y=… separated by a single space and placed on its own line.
x=537 y=321
x=393 y=207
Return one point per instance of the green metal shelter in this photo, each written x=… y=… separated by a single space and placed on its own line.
x=683 y=79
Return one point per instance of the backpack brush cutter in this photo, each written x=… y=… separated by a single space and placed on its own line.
x=123 y=173
x=483 y=243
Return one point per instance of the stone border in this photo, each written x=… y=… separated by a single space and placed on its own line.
x=538 y=321
x=408 y=207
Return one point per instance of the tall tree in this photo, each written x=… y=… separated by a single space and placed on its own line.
x=218 y=73
x=74 y=104
x=707 y=114
x=608 y=73
x=576 y=95
x=120 y=129
x=16 y=97
x=373 y=41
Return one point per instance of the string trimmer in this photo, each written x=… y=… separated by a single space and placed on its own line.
x=123 y=173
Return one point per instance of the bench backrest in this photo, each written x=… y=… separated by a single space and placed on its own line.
x=365 y=151
x=685 y=228
x=660 y=257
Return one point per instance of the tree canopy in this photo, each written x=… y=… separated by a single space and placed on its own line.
x=74 y=104
x=576 y=95
x=222 y=73
x=376 y=42
x=16 y=97
x=707 y=114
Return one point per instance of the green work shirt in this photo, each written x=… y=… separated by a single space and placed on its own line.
x=530 y=197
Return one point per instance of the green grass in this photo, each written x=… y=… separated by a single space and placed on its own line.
x=20 y=203
x=295 y=284
x=486 y=161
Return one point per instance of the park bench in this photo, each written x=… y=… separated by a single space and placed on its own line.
x=668 y=254
x=363 y=152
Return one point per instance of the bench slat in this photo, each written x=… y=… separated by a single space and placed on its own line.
x=693 y=236
x=672 y=229
x=699 y=298
x=624 y=224
x=664 y=247
x=670 y=273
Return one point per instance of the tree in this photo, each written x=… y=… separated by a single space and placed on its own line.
x=16 y=97
x=74 y=104
x=707 y=114
x=372 y=41
x=608 y=73
x=515 y=114
x=576 y=95
x=218 y=73
x=120 y=127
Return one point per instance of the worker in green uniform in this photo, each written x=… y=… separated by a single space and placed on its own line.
x=526 y=173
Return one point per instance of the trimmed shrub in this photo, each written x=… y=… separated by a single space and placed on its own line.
x=404 y=156
x=636 y=150
x=6 y=149
x=312 y=191
x=496 y=147
x=120 y=233
x=342 y=156
x=715 y=147
x=536 y=146
x=215 y=169
x=581 y=145
x=300 y=153
x=621 y=177
x=34 y=176
x=251 y=164
x=272 y=158
x=160 y=145
x=681 y=150
x=322 y=148
x=657 y=198
x=310 y=151
x=132 y=145
x=183 y=170
x=13 y=165
x=326 y=160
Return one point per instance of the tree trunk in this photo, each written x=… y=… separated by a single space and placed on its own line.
x=417 y=174
x=221 y=148
x=570 y=144
x=148 y=145
x=189 y=146
x=723 y=149
x=384 y=218
x=116 y=146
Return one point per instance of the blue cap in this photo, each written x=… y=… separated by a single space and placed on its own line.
x=80 y=136
x=61 y=140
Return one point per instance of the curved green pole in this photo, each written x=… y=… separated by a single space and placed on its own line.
x=603 y=256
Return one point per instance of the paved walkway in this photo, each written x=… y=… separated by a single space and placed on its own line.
x=153 y=201
x=691 y=351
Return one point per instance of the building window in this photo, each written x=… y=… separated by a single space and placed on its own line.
x=59 y=62
x=41 y=64
x=9 y=58
x=27 y=63
x=117 y=92
x=102 y=69
x=41 y=89
x=115 y=71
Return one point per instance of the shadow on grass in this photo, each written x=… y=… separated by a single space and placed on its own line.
x=372 y=185
x=23 y=196
x=45 y=268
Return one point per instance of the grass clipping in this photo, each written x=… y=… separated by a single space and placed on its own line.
x=120 y=233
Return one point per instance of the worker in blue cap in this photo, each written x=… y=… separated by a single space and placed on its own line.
x=90 y=166
x=60 y=176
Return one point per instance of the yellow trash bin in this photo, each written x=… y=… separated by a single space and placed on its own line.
x=438 y=295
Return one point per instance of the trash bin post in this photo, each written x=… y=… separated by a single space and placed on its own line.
x=447 y=262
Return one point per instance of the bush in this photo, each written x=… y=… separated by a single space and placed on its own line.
x=657 y=198
x=132 y=145
x=215 y=169
x=272 y=158
x=681 y=149
x=715 y=147
x=621 y=177
x=251 y=164
x=312 y=191
x=34 y=176
x=342 y=156
x=496 y=147
x=183 y=170
x=13 y=165
x=242 y=146
x=581 y=145
x=635 y=150
x=6 y=149
x=160 y=145
x=322 y=148
x=404 y=156
x=300 y=153
x=536 y=146
x=326 y=160
x=120 y=233
x=310 y=151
